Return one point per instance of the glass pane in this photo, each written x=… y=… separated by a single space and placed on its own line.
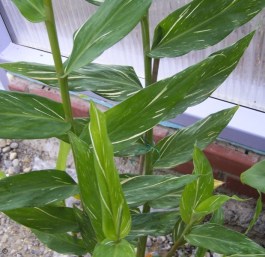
x=246 y=86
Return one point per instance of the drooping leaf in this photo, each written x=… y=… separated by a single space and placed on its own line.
x=178 y=148
x=35 y=189
x=62 y=243
x=116 y=219
x=86 y=229
x=95 y=2
x=88 y=185
x=32 y=10
x=222 y=240
x=213 y=203
x=25 y=116
x=200 y=24
x=167 y=98
x=141 y=189
x=257 y=212
x=47 y=219
x=255 y=176
x=199 y=190
x=113 y=82
x=112 y=21
x=109 y=248
x=153 y=224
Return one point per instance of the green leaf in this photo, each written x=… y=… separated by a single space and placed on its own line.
x=141 y=189
x=167 y=98
x=2 y=174
x=109 y=248
x=47 y=219
x=168 y=201
x=109 y=81
x=222 y=240
x=178 y=231
x=153 y=224
x=213 y=203
x=88 y=185
x=248 y=255
x=112 y=21
x=199 y=190
x=218 y=216
x=255 y=176
x=178 y=147
x=87 y=231
x=200 y=24
x=25 y=116
x=35 y=189
x=96 y=2
x=32 y=10
x=116 y=219
x=257 y=212
x=62 y=243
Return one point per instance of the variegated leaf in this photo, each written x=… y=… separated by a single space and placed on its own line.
x=32 y=10
x=201 y=23
x=116 y=219
x=95 y=2
x=25 y=116
x=199 y=190
x=141 y=189
x=110 y=81
x=178 y=147
x=167 y=98
x=112 y=21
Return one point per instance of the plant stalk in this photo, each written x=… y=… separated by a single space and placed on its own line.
x=56 y=53
x=147 y=159
x=61 y=161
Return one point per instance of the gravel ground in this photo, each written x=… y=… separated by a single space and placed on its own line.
x=24 y=156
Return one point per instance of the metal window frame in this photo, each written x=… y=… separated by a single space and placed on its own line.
x=247 y=128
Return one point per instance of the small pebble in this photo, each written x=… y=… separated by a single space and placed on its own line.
x=14 y=145
x=11 y=170
x=15 y=162
x=2 y=143
x=6 y=149
x=12 y=156
x=27 y=169
x=149 y=242
x=8 y=141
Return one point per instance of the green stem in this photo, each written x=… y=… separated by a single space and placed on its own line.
x=56 y=53
x=64 y=150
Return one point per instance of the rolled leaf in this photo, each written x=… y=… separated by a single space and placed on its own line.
x=255 y=176
x=112 y=21
x=178 y=148
x=32 y=10
x=88 y=185
x=199 y=190
x=47 y=219
x=113 y=82
x=200 y=24
x=109 y=248
x=62 y=243
x=222 y=240
x=116 y=219
x=25 y=116
x=35 y=189
x=167 y=98
x=141 y=189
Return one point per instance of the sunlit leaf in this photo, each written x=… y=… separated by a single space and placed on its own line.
x=25 y=116
x=62 y=243
x=47 y=219
x=178 y=147
x=109 y=248
x=109 y=81
x=35 y=189
x=255 y=176
x=199 y=190
x=32 y=10
x=200 y=24
x=116 y=219
x=222 y=240
x=167 y=98
x=112 y=21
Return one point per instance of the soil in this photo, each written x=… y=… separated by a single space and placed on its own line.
x=18 y=241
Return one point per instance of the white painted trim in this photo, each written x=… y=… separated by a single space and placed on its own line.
x=247 y=127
